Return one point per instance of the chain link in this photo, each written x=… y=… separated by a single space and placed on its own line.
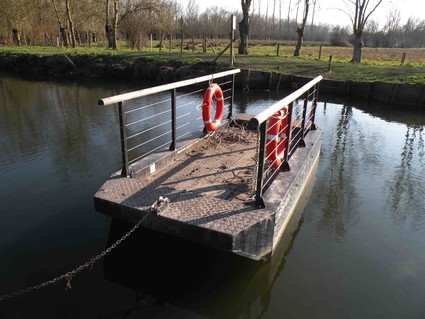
x=70 y=275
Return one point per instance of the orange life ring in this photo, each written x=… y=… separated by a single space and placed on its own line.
x=213 y=90
x=277 y=130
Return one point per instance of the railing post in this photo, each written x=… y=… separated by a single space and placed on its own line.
x=232 y=99
x=173 y=121
x=259 y=202
x=303 y=132
x=314 y=106
x=285 y=165
x=123 y=134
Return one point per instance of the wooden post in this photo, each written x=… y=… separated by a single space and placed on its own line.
x=46 y=35
x=403 y=57
x=193 y=43
x=330 y=64
x=169 y=46
x=204 y=45
x=278 y=49
x=320 y=51
x=181 y=34
x=139 y=42
x=232 y=36
x=161 y=40
x=151 y=41
x=209 y=43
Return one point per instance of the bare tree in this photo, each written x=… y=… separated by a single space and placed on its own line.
x=359 y=12
x=15 y=15
x=71 y=23
x=244 y=27
x=301 y=29
x=314 y=3
x=393 y=21
x=115 y=25
x=108 y=27
x=191 y=17
x=62 y=28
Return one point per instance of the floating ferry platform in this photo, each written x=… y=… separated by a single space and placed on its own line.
x=218 y=189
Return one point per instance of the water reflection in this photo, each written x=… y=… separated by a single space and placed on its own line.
x=406 y=187
x=364 y=201
x=194 y=280
x=44 y=120
x=163 y=270
x=337 y=191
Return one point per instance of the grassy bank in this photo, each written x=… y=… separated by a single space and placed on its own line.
x=379 y=65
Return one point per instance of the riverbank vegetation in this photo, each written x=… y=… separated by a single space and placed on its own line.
x=165 y=30
x=379 y=64
x=80 y=22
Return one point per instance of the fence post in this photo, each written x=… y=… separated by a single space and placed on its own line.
x=181 y=34
x=193 y=43
x=232 y=36
x=403 y=58
x=151 y=41
x=320 y=51
x=139 y=42
x=278 y=49
x=330 y=64
x=123 y=135
x=169 y=46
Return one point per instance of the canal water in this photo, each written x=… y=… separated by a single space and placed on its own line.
x=357 y=251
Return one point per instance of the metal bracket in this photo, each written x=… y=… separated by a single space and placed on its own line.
x=259 y=202
x=285 y=167
x=159 y=205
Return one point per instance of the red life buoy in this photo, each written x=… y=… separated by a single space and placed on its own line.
x=213 y=90
x=277 y=133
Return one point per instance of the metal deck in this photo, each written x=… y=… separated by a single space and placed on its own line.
x=208 y=185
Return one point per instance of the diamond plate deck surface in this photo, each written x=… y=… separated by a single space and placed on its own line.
x=207 y=187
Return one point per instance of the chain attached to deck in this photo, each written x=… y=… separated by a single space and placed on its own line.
x=70 y=275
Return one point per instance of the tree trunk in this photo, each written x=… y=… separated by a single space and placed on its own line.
x=243 y=32
x=244 y=27
x=357 y=47
x=300 y=41
x=108 y=29
x=16 y=36
x=300 y=30
x=64 y=36
x=115 y=25
x=71 y=24
x=62 y=29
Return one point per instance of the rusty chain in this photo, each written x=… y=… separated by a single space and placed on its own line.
x=69 y=275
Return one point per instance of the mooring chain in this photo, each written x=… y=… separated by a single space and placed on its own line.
x=70 y=275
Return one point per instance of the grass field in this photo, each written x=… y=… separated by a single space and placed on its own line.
x=380 y=64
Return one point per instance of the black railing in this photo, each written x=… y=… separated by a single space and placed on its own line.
x=293 y=117
x=141 y=115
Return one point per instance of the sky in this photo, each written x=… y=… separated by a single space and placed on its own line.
x=327 y=12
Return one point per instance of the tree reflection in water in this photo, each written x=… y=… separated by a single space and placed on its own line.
x=336 y=189
x=407 y=186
